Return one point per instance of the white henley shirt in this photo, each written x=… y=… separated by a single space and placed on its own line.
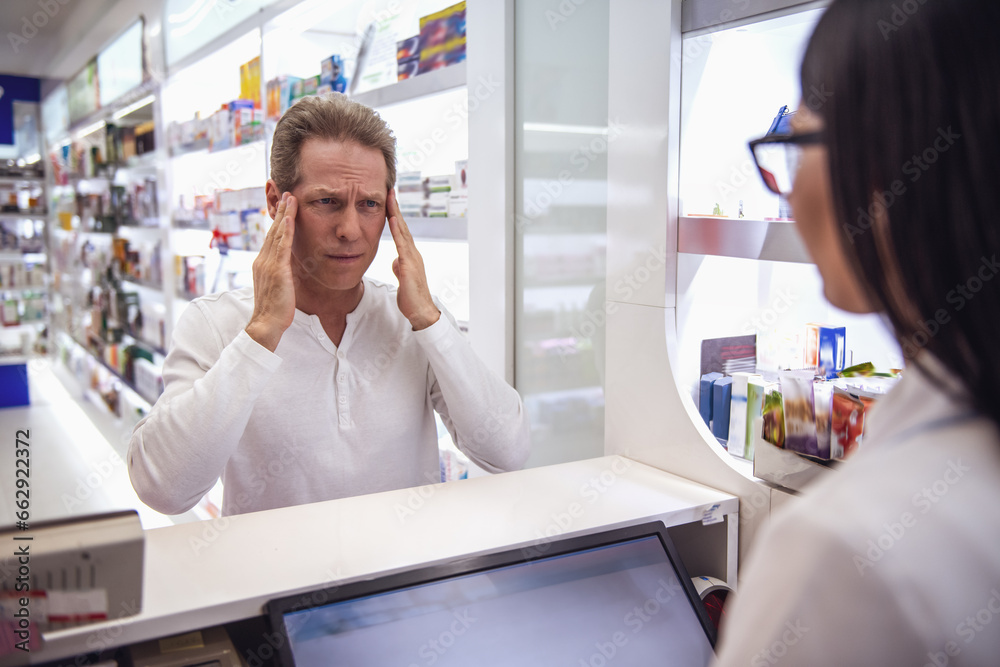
x=313 y=421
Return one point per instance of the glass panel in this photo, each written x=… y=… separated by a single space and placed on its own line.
x=561 y=75
x=191 y=24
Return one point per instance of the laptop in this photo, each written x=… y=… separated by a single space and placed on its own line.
x=620 y=596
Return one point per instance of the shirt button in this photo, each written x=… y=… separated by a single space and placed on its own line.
x=343 y=399
x=340 y=354
x=342 y=377
x=321 y=337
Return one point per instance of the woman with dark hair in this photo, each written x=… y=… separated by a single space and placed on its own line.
x=892 y=176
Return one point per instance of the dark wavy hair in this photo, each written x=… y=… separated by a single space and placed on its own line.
x=909 y=91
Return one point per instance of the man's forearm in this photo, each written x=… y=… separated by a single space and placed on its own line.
x=487 y=414
x=181 y=448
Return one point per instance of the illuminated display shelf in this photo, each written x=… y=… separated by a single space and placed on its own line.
x=774 y=240
x=428 y=83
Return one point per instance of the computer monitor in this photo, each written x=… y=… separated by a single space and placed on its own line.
x=618 y=597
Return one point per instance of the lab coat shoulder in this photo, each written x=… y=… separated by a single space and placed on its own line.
x=873 y=566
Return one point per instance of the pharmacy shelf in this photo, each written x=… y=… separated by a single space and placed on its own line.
x=142 y=342
x=145 y=224
x=435 y=229
x=23 y=216
x=148 y=284
x=12 y=256
x=21 y=291
x=114 y=371
x=30 y=325
x=18 y=180
x=773 y=240
x=436 y=81
x=190 y=224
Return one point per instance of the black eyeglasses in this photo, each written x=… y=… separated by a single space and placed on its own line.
x=778 y=157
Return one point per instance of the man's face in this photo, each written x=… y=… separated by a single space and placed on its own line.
x=341 y=212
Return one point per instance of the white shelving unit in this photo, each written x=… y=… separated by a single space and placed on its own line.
x=773 y=240
x=429 y=83
x=23 y=279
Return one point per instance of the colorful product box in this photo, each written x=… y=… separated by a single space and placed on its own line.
x=331 y=73
x=722 y=394
x=220 y=130
x=773 y=429
x=442 y=38
x=738 y=413
x=826 y=349
x=847 y=424
x=408 y=58
x=799 y=412
x=756 y=390
x=250 y=81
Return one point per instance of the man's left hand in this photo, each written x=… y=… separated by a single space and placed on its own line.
x=413 y=297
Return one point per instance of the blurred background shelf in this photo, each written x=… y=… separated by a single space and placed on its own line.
x=428 y=83
x=443 y=229
x=774 y=240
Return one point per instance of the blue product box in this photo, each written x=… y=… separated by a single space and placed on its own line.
x=705 y=396
x=14 y=385
x=332 y=73
x=722 y=397
x=826 y=349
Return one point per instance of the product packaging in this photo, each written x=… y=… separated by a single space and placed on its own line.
x=331 y=73
x=250 y=81
x=738 y=445
x=826 y=349
x=847 y=424
x=799 y=411
x=722 y=393
x=442 y=38
x=408 y=58
x=756 y=390
x=823 y=405
x=221 y=130
x=705 y=396
x=458 y=200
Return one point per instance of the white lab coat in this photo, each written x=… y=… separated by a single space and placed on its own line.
x=893 y=560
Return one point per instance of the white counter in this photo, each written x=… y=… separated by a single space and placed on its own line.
x=210 y=573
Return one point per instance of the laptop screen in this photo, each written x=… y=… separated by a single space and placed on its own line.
x=620 y=596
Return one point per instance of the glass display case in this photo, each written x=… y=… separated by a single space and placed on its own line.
x=563 y=131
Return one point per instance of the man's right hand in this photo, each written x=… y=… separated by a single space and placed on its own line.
x=273 y=286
